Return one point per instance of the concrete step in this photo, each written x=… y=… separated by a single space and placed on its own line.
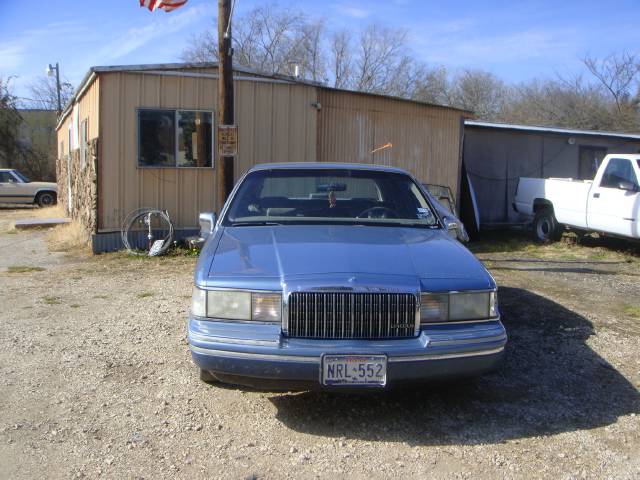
x=40 y=223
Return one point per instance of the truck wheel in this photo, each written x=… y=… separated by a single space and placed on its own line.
x=206 y=376
x=545 y=226
x=46 y=199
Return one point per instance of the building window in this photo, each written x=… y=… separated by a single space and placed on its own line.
x=175 y=138
x=590 y=160
x=84 y=139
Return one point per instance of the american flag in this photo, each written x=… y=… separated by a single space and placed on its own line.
x=166 y=5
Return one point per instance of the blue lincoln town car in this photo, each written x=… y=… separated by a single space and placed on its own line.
x=338 y=276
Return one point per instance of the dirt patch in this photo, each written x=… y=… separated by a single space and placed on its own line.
x=96 y=380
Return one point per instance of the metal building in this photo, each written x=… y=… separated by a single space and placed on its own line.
x=144 y=136
x=496 y=155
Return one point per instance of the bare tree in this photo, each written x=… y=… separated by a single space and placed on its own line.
x=341 y=59
x=201 y=48
x=275 y=40
x=378 y=59
x=270 y=40
x=480 y=92
x=434 y=86
x=44 y=93
x=379 y=53
x=616 y=73
x=570 y=103
x=310 y=51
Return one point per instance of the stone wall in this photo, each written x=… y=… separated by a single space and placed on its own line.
x=84 y=187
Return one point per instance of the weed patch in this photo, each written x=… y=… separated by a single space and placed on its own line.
x=52 y=300
x=23 y=269
x=632 y=311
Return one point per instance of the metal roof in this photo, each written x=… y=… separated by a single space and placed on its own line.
x=167 y=67
x=185 y=66
x=542 y=129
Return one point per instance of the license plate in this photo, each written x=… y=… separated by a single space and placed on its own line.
x=354 y=370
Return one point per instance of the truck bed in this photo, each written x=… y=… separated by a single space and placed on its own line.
x=568 y=196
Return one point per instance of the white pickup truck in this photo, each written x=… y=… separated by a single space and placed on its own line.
x=609 y=204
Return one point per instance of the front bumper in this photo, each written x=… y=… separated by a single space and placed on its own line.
x=258 y=354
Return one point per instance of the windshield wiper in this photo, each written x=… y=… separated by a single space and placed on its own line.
x=257 y=223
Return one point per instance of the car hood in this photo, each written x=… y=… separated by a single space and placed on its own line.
x=269 y=256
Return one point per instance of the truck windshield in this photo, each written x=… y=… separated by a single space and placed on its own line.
x=339 y=196
x=21 y=177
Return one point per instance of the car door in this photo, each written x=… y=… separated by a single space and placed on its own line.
x=611 y=208
x=9 y=188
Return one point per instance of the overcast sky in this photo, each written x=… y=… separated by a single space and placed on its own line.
x=515 y=40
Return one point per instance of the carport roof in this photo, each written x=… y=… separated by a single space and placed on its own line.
x=542 y=129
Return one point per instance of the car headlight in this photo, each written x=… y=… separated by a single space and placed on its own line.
x=237 y=305
x=457 y=306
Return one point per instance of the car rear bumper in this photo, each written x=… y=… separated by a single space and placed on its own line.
x=258 y=355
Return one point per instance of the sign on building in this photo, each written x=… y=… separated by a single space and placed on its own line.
x=228 y=140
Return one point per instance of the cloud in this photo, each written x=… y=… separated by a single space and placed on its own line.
x=18 y=50
x=462 y=47
x=163 y=24
x=351 y=10
x=12 y=55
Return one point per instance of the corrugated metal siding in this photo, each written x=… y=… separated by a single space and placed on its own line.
x=425 y=139
x=266 y=132
x=496 y=158
x=88 y=107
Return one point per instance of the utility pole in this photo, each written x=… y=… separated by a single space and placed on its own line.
x=225 y=98
x=49 y=71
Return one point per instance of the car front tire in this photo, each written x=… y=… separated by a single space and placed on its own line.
x=46 y=199
x=545 y=226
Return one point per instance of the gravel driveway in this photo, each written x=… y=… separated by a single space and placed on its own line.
x=96 y=381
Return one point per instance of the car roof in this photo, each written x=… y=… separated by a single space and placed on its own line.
x=326 y=166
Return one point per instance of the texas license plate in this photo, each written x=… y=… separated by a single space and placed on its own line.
x=354 y=370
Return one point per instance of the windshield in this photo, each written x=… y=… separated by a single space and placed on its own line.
x=338 y=196
x=21 y=177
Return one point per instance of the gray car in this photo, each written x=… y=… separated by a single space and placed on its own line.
x=16 y=188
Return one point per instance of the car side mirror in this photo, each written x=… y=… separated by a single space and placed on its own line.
x=207 y=222
x=456 y=229
x=451 y=225
x=627 y=186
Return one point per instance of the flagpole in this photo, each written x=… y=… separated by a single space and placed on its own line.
x=224 y=167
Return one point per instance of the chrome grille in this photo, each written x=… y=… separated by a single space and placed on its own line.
x=351 y=315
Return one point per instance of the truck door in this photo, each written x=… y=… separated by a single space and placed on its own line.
x=614 y=199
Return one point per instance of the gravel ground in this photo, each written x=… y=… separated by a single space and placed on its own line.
x=97 y=381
